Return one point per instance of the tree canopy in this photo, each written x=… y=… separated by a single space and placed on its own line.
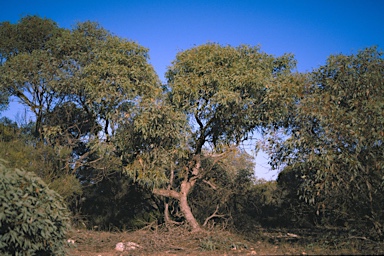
x=335 y=139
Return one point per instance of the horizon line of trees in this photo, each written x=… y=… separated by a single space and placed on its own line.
x=125 y=150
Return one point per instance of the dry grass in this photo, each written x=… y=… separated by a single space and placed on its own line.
x=179 y=241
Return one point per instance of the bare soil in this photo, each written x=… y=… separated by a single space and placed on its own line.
x=179 y=241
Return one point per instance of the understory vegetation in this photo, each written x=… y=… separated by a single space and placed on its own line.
x=125 y=151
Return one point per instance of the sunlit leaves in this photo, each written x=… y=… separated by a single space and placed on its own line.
x=152 y=140
x=221 y=88
x=29 y=70
x=81 y=84
x=29 y=34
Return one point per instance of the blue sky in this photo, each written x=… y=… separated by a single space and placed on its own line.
x=311 y=30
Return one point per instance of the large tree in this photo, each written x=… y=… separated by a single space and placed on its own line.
x=219 y=90
x=78 y=83
x=106 y=75
x=28 y=69
x=334 y=143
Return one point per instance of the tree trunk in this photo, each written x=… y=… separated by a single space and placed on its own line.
x=182 y=197
x=167 y=218
x=184 y=206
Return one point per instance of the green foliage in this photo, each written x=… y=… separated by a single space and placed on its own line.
x=264 y=203
x=80 y=84
x=24 y=151
x=151 y=140
x=108 y=74
x=33 y=218
x=46 y=67
x=221 y=88
x=29 y=70
x=212 y=101
x=335 y=141
x=293 y=210
x=221 y=198
x=100 y=109
x=4 y=99
x=29 y=34
x=67 y=123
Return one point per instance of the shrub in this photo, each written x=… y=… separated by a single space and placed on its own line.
x=33 y=218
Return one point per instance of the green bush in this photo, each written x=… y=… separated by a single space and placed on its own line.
x=33 y=218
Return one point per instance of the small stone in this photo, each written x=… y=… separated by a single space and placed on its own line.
x=131 y=246
x=120 y=247
x=126 y=246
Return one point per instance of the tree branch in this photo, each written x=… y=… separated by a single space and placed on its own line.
x=213 y=186
x=199 y=122
x=166 y=193
x=214 y=215
x=197 y=166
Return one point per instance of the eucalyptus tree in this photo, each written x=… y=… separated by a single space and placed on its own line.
x=105 y=77
x=334 y=143
x=214 y=101
x=79 y=83
x=28 y=69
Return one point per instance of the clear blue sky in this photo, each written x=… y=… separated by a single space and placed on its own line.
x=311 y=30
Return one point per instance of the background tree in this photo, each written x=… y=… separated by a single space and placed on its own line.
x=80 y=84
x=29 y=70
x=118 y=203
x=23 y=150
x=106 y=77
x=221 y=197
x=106 y=74
x=335 y=145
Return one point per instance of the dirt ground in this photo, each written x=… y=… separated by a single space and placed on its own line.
x=179 y=241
